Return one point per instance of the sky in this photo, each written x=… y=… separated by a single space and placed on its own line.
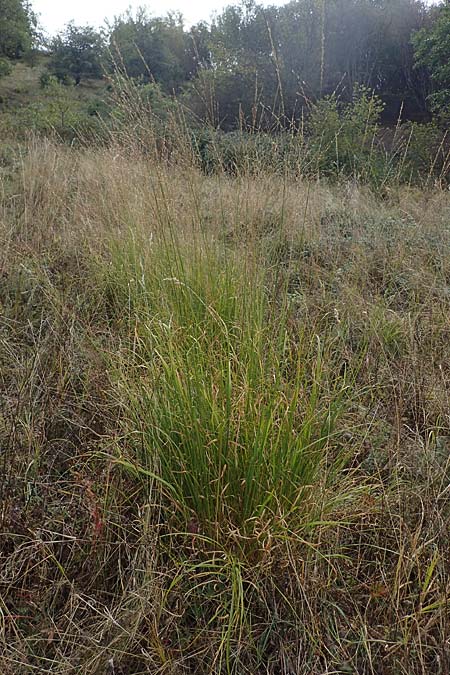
x=55 y=14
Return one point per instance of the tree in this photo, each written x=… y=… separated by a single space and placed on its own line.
x=77 y=53
x=331 y=46
x=432 y=51
x=156 y=49
x=17 y=23
x=270 y=63
x=244 y=82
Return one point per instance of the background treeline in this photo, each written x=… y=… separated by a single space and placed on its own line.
x=314 y=68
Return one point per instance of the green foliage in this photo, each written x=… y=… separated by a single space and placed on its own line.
x=262 y=66
x=77 y=54
x=243 y=152
x=17 y=23
x=155 y=100
x=59 y=113
x=339 y=140
x=16 y=28
x=269 y=63
x=307 y=84
x=153 y=49
x=432 y=50
x=341 y=137
x=423 y=153
x=5 y=67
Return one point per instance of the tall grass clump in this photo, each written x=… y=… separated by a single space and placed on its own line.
x=230 y=415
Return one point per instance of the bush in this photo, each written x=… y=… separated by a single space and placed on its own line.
x=341 y=138
x=423 y=153
x=59 y=114
x=5 y=67
x=238 y=152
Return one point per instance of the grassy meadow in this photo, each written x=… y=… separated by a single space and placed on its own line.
x=225 y=430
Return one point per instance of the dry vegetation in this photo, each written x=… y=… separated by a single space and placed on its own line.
x=225 y=426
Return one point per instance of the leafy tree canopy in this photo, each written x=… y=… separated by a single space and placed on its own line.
x=77 y=53
x=157 y=49
x=432 y=50
x=17 y=23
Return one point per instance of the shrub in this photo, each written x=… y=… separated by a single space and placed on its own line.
x=5 y=67
x=341 y=138
x=59 y=114
x=423 y=151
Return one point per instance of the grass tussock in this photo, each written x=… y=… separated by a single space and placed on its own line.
x=225 y=421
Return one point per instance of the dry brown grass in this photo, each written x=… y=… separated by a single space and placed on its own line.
x=95 y=576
